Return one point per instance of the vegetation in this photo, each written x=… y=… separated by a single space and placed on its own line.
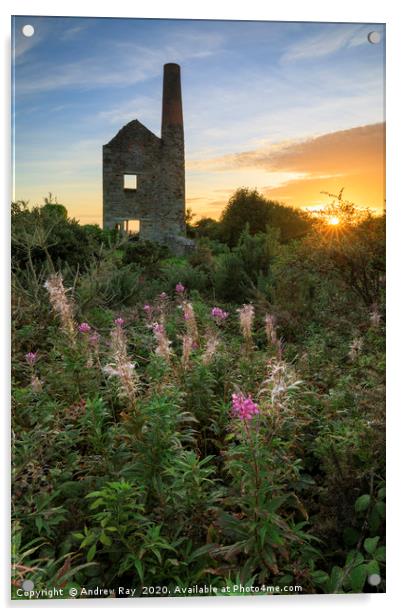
x=211 y=421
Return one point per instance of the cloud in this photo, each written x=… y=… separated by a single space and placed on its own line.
x=327 y=42
x=297 y=171
x=72 y=33
x=144 y=108
x=339 y=152
x=119 y=64
x=23 y=44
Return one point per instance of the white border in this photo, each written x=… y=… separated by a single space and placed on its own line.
x=284 y=10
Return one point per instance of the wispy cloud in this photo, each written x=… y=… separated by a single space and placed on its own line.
x=143 y=108
x=24 y=44
x=72 y=33
x=119 y=64
x=327 y=42
x=338 y=152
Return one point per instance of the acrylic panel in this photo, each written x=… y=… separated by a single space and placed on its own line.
x=198 y=303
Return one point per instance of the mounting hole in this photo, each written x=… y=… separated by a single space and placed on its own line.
x=374 y=579
x=28 y=585
x=374 y=37
x=28 y=30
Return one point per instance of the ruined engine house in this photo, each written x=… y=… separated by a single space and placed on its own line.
x=143 y=175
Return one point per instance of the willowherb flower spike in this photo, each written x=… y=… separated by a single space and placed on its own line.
x=355 y=348
x=121 y=366
x=270 y=329
x=191 y=322
x=84 y=328
x=246 y=316
x=219 y=315
x=244 y=407
x=163 y=344
x=210 y=349
x=375 y=317
x=186 y=350
x=36 y=384
x=61 y=305
x=31 y=358
x=280 y=383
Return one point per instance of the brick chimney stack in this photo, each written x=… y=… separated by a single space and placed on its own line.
x=172 y=112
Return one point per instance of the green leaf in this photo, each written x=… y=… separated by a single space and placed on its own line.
x=139 y=569
x=380 y=554
x=362 y=503
x=105 y=539
x=373 y=567
x=370 y=544
x=78 y=536
x=354 y=558
x=374 y=521
x=91 y=552
x=380 y=508
x=336 y=575
x=39 y=524
x=96 y=503
x=275 y=503
x=286 y=579
x=357 y=577
x=320 y=577
x=262 y=532
x=88 y=540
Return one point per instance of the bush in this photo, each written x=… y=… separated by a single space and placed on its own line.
x=45 y=236
x=248 y=207
x=146 y=254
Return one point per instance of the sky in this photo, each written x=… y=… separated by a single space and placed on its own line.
x=291 y=109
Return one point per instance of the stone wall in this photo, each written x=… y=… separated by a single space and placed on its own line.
x=159 y=199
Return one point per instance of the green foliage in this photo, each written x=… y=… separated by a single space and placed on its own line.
x=46 y=236
x=207 y=228
x=146 y=254
x=249 y=207
x=167 y=486
x=231 y=282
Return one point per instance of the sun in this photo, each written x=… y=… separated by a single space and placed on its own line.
x=334 y=220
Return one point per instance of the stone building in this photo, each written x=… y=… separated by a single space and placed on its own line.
x=143 y=175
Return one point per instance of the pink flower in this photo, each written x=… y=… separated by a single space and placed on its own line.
x=147 y=308
x=180 y=288
x=94 y=339
x=244 y=408
x=158 y=328
x=119 y=321
x=84 y=328
x=218 y=314
x=31 y=358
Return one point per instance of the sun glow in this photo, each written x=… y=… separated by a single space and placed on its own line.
x=334 y=220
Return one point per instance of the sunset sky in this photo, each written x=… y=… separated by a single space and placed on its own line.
x=291 y=109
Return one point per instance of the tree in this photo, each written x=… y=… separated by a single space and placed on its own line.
x=245 y=207
x=249 y=207
x=350 y=242
x=207 y=227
